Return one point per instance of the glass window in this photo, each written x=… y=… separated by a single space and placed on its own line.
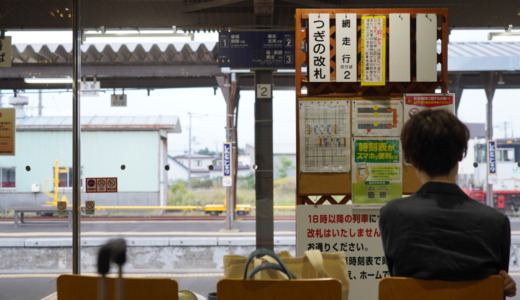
x=8 y=177
x=480 y=153
x=65 y=177
x=506 y=154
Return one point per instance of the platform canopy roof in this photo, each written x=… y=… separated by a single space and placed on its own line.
x=151 y=66
x=195 y=15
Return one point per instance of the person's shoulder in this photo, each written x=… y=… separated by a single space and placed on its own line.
x=488 y=211
x=395 y=204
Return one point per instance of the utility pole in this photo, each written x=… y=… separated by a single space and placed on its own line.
x=189 y=154
x=489 y=87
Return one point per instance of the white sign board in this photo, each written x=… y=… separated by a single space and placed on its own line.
x=319 y=48
x=399 y=67
x=90 y=88
x=118 y=100
x=264 y=90
x=353 y=229
x=346 y=48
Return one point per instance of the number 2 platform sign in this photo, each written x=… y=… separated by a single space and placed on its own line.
x=101 y=185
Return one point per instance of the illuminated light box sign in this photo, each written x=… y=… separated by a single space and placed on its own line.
x=256 y=49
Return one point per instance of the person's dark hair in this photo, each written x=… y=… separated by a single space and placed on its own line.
x=434 y=141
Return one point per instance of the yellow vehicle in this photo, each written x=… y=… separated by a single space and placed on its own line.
x=217 y=209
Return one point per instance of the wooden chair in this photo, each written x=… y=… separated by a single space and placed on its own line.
x=81 y=287
x=279 y=289
x=404 y=288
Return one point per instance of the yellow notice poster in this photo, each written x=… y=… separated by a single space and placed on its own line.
x=373 y=50
x=7 y=130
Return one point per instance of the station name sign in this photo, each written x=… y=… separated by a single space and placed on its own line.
x=226 y=165
x=256 y=49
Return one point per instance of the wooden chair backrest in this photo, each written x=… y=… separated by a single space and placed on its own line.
x=276 y=289
x=404 y=288
x=82 y=287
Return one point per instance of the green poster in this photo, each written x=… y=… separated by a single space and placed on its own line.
x=376 y=170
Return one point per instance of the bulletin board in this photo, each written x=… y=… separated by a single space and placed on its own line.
x=338 y=86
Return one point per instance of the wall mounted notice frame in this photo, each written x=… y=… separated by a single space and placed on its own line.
x=338 y=85
x=316 y=187
x=313 y=178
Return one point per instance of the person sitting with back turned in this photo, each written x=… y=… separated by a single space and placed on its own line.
x=439 y=232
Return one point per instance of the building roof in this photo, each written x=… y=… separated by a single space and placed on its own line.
x=170 y=124
x=484 y=56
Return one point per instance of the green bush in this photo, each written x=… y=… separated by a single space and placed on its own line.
x=180 y=195
x=201 y=183
x=206 y=192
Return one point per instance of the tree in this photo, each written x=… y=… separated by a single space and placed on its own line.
x=285 y=166
x=206 y=151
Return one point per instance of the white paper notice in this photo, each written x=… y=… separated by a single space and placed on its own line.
x=377 y=118
x=324 y=136
x=426 y=47
x=350 y=228
x=399 y=56
x=346 y=48
x=319 y=48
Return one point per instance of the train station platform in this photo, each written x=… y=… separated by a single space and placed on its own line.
x=190 y=252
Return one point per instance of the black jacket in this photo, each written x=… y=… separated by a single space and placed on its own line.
x=441 y=233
